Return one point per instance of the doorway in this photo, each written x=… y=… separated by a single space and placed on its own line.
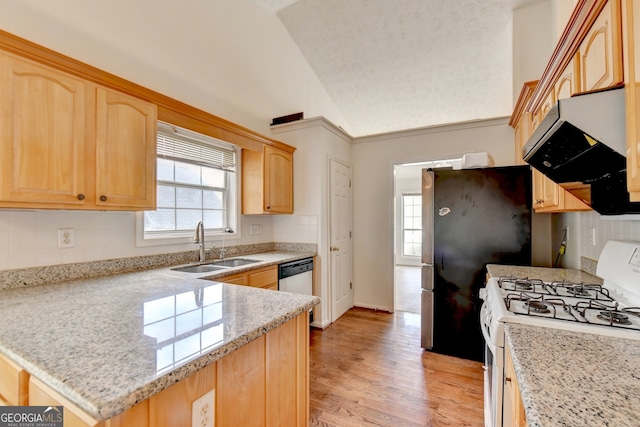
x=408 y=231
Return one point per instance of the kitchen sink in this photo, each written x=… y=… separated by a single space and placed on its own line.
x=235 y=262
x=199 y=268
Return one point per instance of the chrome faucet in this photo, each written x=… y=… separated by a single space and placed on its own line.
x=200 y=239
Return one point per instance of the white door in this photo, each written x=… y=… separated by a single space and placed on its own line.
x=340 y=239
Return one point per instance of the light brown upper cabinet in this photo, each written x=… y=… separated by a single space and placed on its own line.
x=67 y=143
x=267 y=181
x=631 y=32
x=600 y=53
x=567 y=84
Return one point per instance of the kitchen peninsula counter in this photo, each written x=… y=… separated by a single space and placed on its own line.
x=575 y=379
x=108 y=343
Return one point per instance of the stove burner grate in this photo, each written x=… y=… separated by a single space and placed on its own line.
x=537 y=307
x=614 y=317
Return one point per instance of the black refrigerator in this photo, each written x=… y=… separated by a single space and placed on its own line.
x=470 y=218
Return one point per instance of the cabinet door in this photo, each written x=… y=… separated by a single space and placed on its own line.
x=520 y=140
x=264 y=278
x=567 y=85
x=632 y=95
x=514 y=414
x=601 y=51
x=241 y=391
x=278 y=186
x=42 y=134
x=14 y=383
x=173 y=406
x=125 y=151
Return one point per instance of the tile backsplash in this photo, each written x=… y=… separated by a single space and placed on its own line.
x=29 y=238
x=605 y=229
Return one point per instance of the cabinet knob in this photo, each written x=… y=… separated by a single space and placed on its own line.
x=103 y=198
x=80 y=196
x=268 y=207
x=507 y=379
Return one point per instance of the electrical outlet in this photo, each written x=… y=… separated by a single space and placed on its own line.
x=592 y=237
x=202 y=410
x=66 y=237
x=256 y=229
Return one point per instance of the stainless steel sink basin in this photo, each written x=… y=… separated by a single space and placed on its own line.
x=234 y=262
x=199 y=268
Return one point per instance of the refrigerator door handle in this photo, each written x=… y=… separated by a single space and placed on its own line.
x=426 y=327
x=427 y=216
x=426 y=277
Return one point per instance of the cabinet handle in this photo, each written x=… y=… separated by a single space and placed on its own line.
x=334 y=248
x=80 y=196
x=507 y=379
x=103 y=198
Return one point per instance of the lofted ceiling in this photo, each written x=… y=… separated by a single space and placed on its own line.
x=392 y=65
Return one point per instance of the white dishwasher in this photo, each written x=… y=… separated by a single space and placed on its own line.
x=297 y=277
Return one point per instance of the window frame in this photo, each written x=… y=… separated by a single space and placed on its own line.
x=232 y=196
x=402 y=225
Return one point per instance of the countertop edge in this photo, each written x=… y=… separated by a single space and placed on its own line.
x=154 y=387
x=113 y=407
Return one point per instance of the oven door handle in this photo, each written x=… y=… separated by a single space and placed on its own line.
x=485 y=331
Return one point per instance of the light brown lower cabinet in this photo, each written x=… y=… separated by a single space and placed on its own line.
x=513 y=414
x=266 y=278
x=263 y=383
x=14 y=384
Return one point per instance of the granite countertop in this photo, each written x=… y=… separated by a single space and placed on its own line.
x=109 y=342
x=573 y=379
x=543 y=273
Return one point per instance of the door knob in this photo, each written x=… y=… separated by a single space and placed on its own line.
x=334 y=248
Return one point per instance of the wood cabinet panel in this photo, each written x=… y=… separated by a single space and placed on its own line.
x=41 y=395
x=42 y=133
x=514 y=415
x=267 y=181
x=172 y=407
x=266 y=277
x=631 y=30
x=125 y=151
x=15 y=383
x=600 y=53
x=567 y=84
x=68 y=143
x=240 y=394
x=278 y=173
x=287 y=374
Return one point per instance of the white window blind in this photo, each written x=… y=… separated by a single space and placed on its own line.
x=183 y=145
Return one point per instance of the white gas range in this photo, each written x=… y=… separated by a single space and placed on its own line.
x=611 y=309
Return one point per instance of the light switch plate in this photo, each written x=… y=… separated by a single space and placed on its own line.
x=256 y=229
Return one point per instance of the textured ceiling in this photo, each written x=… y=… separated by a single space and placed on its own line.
x=400 y=64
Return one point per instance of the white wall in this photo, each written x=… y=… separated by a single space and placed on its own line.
x=232 y=58
x=317 y=140
x=533 y=42
x=30 y=238
x=373 y=162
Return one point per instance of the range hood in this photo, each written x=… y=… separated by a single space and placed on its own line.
x=581 y=146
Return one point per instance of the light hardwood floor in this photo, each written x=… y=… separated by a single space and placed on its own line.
x=367 y=369
x=407 y=288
